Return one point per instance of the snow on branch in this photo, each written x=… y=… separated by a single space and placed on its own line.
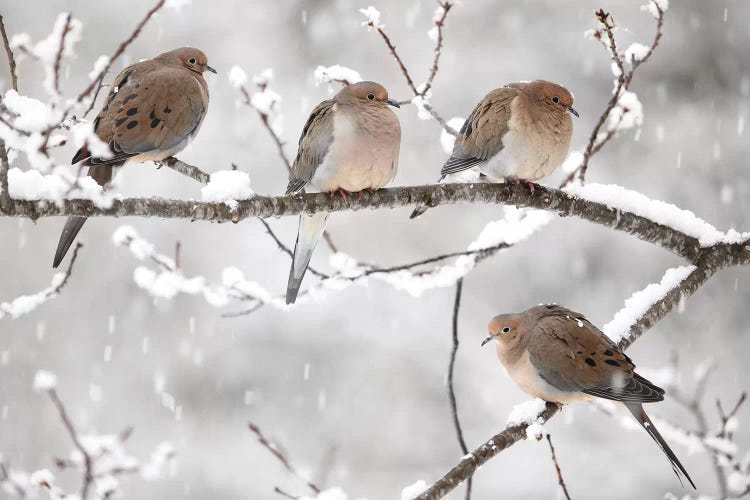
x=527 y=419
x=25 y=304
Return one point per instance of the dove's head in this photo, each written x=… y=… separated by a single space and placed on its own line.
x=189 y=57
x=553 y=97
x=508 y=330
x=365 y=94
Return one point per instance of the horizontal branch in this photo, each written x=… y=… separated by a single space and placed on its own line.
x=545 y=198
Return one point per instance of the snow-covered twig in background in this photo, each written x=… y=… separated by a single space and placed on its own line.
x=420 y=92
x=266 y=103
x=623 y=111
x=100 y=458
x=282 y=458
x=167 y=281
x=26 y=303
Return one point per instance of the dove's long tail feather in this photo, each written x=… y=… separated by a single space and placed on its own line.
x=102 y=174
x=640 y=415
x=310 y=230
x=72 y=226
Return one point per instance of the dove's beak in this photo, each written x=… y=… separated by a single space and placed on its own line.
x=393 y=103
x=209 y=68
x=573 y=111
x=488 y=339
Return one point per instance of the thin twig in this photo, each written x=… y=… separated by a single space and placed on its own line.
x=60 y=49
x=186 y=169
x=5 y=478
x=560 y=479
x=9 y=53
x=624 y=79
x=439 y=23
x=280 y=457
x=286 y=249
x=88 y=476
x=5 y=199
x=451 y=391
x=409 y=81
x=283 y=493
x=97 y=81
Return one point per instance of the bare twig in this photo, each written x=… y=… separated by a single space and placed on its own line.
x=183 y=168
x=281 y=457
x=88 y=475
x=267 y=124
x=97 y=81
x=18 y=490
x=439 y=24
x=624 y=79
x=5 y=199
x=451 y=391
x=58 y=57
x=283 y=493
x=287 y=250
x=9 y=53
x=560 y=479
x=407 y=76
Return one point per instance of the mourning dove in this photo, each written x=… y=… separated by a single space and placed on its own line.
x=153 y=111
x=520 y=131
x=557 y=355
x=349 y=143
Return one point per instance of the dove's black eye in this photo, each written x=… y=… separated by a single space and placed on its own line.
x=506 y=329
x=371 y=96
x=555 y=99
x=192 y=61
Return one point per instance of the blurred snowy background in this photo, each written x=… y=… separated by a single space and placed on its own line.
x=353 y=385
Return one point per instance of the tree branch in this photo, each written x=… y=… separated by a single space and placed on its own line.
x=451 y=392
x=183 y=168
x=544 y=198
x=560 y=479
x=88 y=476
x=712 y=260
x=5 y=200
x=9 y=53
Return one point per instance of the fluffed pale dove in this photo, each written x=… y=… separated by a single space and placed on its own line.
x=557 y=355
x=349 y=143
x=153 y=111
x=521 y=131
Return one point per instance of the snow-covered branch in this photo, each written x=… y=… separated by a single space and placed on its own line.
x=663 y=297
x=26 y=303
x=100 y=459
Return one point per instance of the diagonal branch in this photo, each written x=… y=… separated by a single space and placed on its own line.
x=512 y=434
